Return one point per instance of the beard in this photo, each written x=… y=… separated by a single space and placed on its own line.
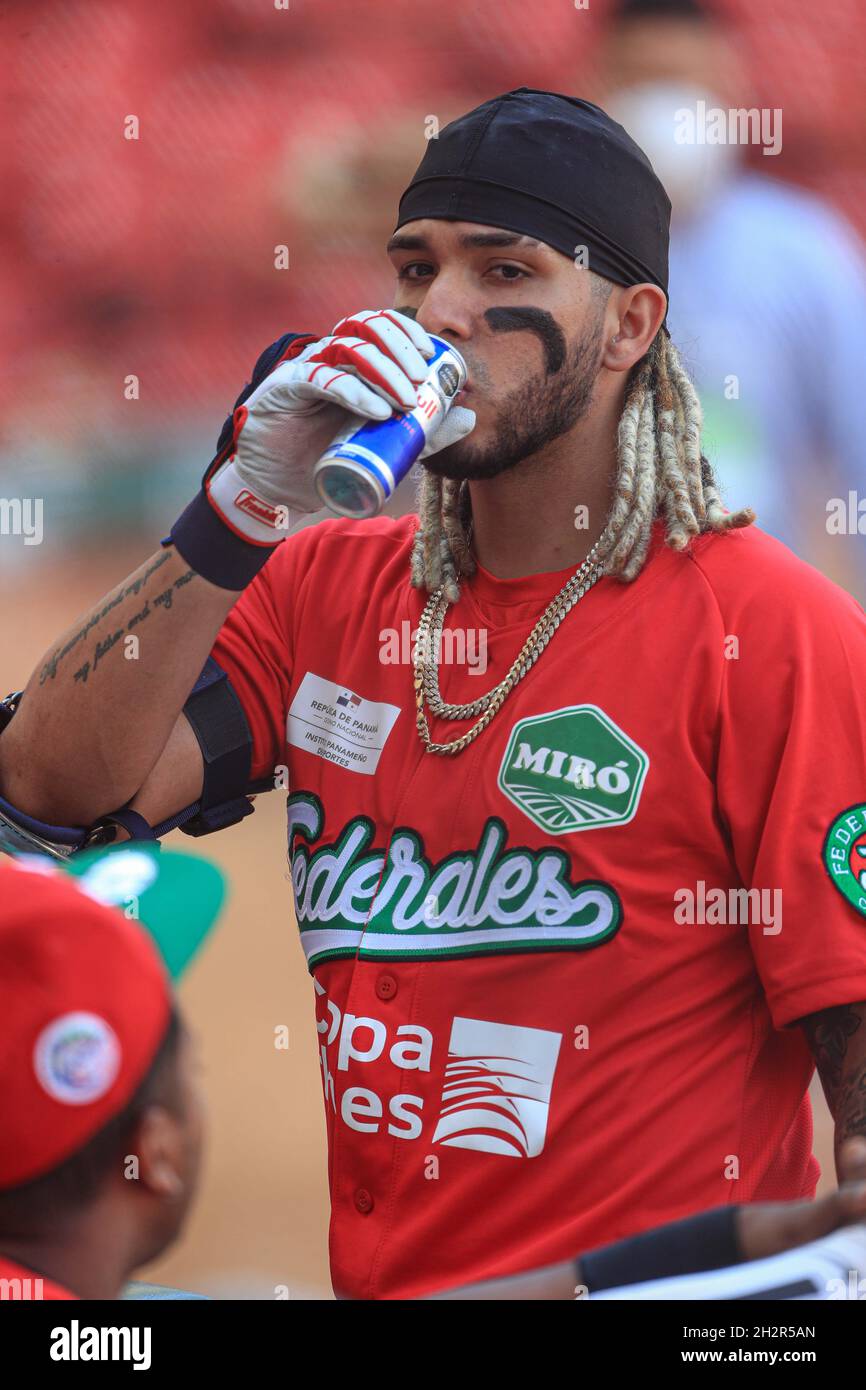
x=536 y=413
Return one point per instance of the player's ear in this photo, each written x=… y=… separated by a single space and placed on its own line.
x=633 y=317
x=158 y=1145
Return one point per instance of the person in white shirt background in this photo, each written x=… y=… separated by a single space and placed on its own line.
x=768 y=281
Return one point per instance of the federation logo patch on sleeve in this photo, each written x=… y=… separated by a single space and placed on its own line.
x=844 y=855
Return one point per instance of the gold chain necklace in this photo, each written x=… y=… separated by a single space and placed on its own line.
x=425 y=659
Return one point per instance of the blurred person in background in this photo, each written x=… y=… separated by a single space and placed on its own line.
x=99 y=1090
x=768 y=283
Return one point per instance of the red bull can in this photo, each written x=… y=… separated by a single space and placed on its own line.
x=361 y=469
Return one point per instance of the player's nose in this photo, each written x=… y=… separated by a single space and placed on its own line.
x=446 y=312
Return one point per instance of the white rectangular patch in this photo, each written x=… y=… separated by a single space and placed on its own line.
x=335 y=723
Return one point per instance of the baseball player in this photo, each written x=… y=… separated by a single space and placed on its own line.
x=583 y=916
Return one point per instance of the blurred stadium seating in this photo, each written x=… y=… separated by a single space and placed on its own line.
x=261 y=128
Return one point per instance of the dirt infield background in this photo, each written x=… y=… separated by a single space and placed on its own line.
x=262 y=1215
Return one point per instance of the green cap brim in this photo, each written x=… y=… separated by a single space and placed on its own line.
x=176 y=896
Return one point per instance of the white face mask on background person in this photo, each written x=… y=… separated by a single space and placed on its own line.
x=692 y=171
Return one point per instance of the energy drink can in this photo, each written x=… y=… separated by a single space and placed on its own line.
x=361 y=468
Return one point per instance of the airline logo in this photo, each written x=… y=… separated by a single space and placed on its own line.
x=496 y=1084
x=496 y=1095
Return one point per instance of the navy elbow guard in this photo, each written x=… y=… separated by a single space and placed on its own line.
x=216 y=717
x=219 y=724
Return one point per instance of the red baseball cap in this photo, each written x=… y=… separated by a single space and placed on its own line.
x=85 y=992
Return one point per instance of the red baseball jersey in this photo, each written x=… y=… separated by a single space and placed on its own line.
x=555 y=975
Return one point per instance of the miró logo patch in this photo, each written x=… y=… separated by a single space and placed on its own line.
x=573 y=769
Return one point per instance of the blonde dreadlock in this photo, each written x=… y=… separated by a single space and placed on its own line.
x=660 y=471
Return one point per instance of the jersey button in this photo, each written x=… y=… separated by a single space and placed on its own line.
x=363 y=1201
x=386 y=987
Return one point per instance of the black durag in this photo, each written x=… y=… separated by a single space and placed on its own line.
x=554 y=168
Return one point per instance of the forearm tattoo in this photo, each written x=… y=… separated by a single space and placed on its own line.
x=96 y=621
x=838 y=1044
x=850 y=1112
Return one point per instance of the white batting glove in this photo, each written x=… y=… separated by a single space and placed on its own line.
x=370 y=366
